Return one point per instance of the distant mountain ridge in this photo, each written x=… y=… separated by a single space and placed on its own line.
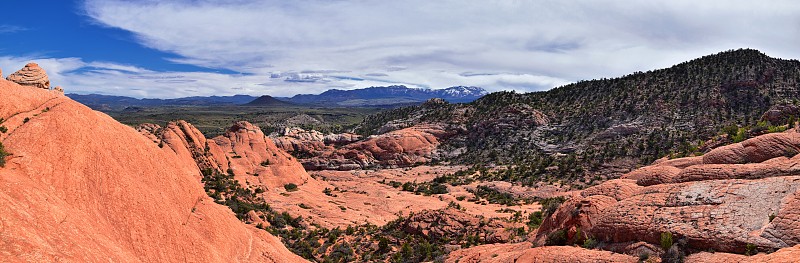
x=387 y=96
x=110 y=102
x=268 y=101
x=391 y=96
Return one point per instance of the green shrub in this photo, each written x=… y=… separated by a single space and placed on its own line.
x=535 y=219
x=750 y=250
x=666 y=240
x=644 y=256
x=590 y=243
x=290 y=187
x=550 y=205
x=557 y=238
x=3 y=155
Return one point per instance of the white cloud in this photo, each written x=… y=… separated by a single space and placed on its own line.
x=502 y=44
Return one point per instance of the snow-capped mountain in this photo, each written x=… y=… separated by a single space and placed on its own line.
x=388 y=96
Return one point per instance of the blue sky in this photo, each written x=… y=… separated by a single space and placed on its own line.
x=149 y=48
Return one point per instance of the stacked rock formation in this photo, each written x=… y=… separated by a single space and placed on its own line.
x=31 y=75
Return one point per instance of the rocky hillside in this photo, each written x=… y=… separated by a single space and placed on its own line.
x=741 y=199
x=78 y=186
x=603 y=128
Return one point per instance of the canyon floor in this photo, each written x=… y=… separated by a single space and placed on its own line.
x=366 y=196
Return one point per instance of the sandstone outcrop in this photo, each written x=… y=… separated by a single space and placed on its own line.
x=301 y=142
x=31 y=75
x=341 y=138
x=522 y=252
x=450 y=223
x=404 y=147
x=81 y=187
x=740 y=194
x=779 y=114
x=242 y=150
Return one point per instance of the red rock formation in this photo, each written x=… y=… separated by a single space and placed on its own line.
x=784 y=255
x=745 y=193
x=450 y=223
x=31 y=75
x=81 y=187
x=405 y=147
x=243 y=150
x=522 y=252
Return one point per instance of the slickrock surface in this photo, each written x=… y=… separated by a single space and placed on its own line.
x=522 y=252
x=31 y=75
x=784 y=255
x=81 y=187
x=359 y=196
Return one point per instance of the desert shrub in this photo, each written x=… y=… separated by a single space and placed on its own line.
x=290 y=187
x=556 y=238
x=265 y=163
x=550 y=205
x=666 y=240
x=535 y=219
x=673 y=255
x=3 y=129
x=750 y=250
x=26 y=120
x=3 y=155
x=644 y=256
x=590 y=243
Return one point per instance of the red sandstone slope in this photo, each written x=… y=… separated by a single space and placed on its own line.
x=243 y=149
x=82 y=187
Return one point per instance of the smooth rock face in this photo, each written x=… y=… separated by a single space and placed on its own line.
x=31 y=75
x=522 y=252
x=81 y=187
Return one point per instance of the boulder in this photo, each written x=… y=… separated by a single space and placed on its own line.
x=31 y=75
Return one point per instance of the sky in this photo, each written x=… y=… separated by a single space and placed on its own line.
x=179 y=48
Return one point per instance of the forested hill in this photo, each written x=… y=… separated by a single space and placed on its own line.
x=611 y=125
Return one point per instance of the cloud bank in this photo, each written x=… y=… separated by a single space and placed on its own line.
x=283 y=48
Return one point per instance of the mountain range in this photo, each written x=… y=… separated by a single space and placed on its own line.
x=391 y=96
x=388 y=96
